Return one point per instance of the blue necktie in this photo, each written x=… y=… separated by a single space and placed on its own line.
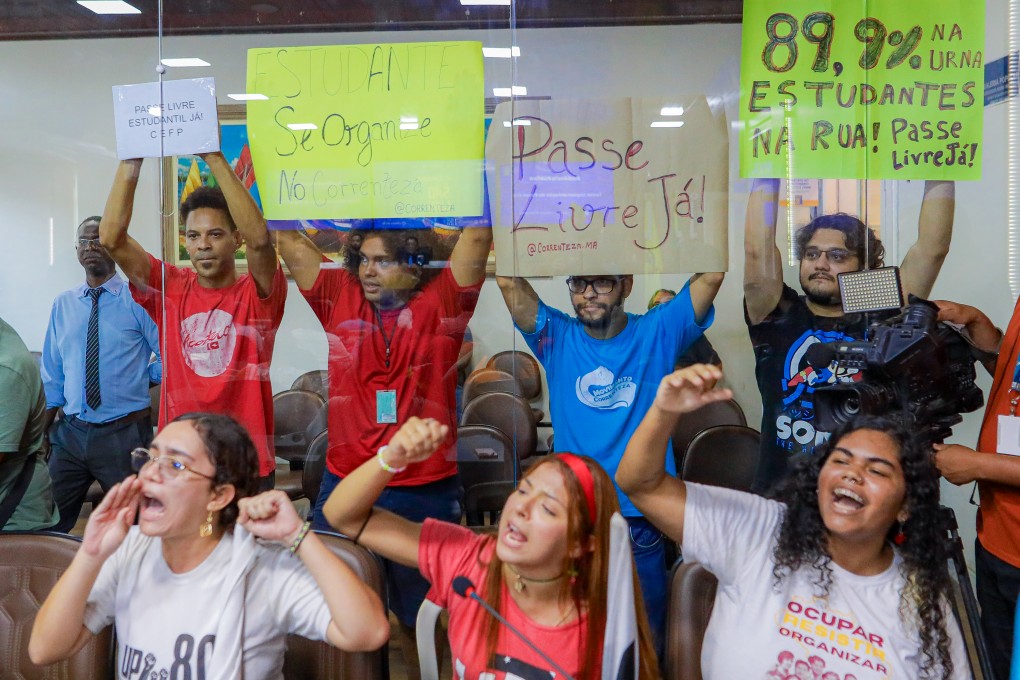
x=92 y=396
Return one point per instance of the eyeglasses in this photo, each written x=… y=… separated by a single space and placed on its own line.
x=89 y=243
x=834 y=255
x=601 y=286
x=170 y=467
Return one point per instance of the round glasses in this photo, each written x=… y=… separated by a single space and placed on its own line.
x=170 y=467
x=601 y=286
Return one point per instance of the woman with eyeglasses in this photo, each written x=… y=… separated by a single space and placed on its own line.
x=846 y=570
x=190 y=590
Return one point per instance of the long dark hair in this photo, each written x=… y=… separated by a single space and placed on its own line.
x=803 y=537
x=231 y=452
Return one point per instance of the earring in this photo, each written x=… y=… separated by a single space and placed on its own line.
x=900 y=538
x=572 y=573
x=205 y=531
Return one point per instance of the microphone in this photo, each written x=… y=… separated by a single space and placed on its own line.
x=463 y=586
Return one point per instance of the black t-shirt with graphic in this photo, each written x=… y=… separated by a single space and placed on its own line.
x=787 y=382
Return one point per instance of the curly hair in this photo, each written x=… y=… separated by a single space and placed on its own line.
x=803 y=537
x=853 y=231
x=207 y=197
x=231 y=452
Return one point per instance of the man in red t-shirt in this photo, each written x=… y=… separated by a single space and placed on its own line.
x=394 y=329
x=997 y=553
x=216 y=328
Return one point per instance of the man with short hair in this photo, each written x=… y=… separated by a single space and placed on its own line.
x=603 y=367
x=783 y=324
x=394 y=331
x=217 y=329
x=26 y=495
x=95 y=368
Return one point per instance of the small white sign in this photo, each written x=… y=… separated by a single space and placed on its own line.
x=182 y=122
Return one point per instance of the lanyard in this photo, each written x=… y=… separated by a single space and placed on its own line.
x=1014 y=388
x=388 y=339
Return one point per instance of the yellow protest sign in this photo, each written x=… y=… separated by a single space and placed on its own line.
x=362 y=131
x=609 y=186
x=862 y=89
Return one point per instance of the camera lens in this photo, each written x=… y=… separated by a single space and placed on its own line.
x=852 y=405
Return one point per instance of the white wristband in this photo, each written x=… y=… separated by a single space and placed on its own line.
x=386 y=466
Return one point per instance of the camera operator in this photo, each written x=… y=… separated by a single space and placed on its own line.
x=997 y=552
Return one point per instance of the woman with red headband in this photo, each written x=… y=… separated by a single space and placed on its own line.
x=545 y=570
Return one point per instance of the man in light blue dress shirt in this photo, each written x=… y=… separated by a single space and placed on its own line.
x=99 y=377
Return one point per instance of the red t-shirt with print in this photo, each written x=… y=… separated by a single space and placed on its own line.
x=423 y=338
x=447 y=551
x=216 y=345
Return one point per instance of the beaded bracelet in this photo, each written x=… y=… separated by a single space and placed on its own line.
x=386 y=466
x=300 y=537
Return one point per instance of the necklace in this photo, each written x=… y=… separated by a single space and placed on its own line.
x=521 y=582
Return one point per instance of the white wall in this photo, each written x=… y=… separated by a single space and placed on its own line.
x=59 y=159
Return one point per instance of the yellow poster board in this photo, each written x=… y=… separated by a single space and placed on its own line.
x=862 y=89
x=365 y=131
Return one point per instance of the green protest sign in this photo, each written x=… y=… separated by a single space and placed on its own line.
x=860 y=89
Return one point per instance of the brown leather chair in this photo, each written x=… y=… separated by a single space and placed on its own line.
x=309 y=660
x=691 y=598
x=294 y=411
x=313 y=381
x=510 y=414
x=486 y=380
x=30 y=564
x=717 y=413
x=522 y=366
x=725 y=455
x=315 y=464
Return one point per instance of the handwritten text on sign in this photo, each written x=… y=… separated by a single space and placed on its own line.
x=361 y=131
x=590 y=186
x=878 y=90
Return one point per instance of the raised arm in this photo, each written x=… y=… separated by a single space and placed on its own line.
x=923 y=261
x=125 y=251
x=349 y=508
x=470 y=254
x=302 y=257
x=704 y=288
x=358 y=616
x=521 y=299
x=249 y=221
x=763 y=264
x=59 y=630
x=642 y=471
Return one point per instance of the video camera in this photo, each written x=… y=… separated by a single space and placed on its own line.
x=912 y=367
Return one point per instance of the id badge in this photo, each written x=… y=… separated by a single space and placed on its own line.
x=386 y=406
x=1009 y=435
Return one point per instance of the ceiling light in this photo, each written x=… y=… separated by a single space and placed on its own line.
x=517 y=121
x=184 y=62
x=241 y=97
x=515 y=91
x=302 y=126
x=668 y=123
x=409 y=119
x=409 y=126
x=153 y=110
x=485 y=2
x=672 y=111
x=501 y=52
x=109 y=7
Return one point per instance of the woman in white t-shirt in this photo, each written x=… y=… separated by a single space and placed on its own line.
x=545 y=570
x=845 y=574
x=189 y=588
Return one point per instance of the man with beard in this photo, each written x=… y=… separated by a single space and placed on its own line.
x=217 y=328
x=603 y=368
x=783 y=325
x=95 y=368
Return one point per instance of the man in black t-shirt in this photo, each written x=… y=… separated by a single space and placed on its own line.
x=783 y=324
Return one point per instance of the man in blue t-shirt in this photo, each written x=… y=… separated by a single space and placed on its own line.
x=603 y=367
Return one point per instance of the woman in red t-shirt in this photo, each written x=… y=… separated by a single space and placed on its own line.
x=545 y=570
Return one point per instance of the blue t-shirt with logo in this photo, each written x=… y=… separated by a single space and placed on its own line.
x=599 y=390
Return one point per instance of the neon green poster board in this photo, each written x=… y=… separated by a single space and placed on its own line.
x=860 y=89
x=362 y=131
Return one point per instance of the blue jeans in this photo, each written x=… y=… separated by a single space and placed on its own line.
x=649 y=548
x=439 y=500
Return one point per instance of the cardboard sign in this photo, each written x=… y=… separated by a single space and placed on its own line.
x=367 y=131
x=862 y=90
x=182 y=121
x=624 y=185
